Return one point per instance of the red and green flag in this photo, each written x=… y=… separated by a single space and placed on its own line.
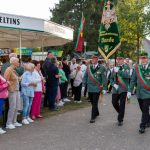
x=109 y=38
x=79 y=45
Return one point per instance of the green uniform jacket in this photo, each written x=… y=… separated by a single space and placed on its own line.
x=124 y=72
x=100 y=74
x=141 y=91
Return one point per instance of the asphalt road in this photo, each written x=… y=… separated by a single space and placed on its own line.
x=72 y=131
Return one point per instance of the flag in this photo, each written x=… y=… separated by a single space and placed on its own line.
x=79 y=44
x=109 y=38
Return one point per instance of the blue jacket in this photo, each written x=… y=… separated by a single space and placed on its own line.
x=27 y=89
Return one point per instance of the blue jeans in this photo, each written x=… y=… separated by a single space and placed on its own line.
x=27 y=102
x=1 y=106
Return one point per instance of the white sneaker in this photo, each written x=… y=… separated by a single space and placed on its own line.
x=25 y=121
x=79 y=102
x=60 y=104
x=29 y=119
x=2 y=131
x=10 y=126
x=66 y=100
x=16 y=124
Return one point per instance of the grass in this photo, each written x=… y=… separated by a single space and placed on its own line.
x=67 y=107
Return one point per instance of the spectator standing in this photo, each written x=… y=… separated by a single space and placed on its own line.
x=52 y=83
x=63 y=79
x=78 y=84
x=3 y=96
x=28 y=84
x=73 y=67
x=38 y=90
x=14 y=95
x=83 y=69
x=46 y=68
x=66 y=69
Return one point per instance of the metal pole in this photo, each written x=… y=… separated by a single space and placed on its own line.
x=20 y=52
x=42 y=48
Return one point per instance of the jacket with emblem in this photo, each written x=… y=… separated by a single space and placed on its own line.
x=124 y=73
x=99 y=73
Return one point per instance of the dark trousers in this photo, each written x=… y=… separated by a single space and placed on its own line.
x=140 y=101
x=77 y=92
x=85 y=91
x=94 y=97
x=65 y=89
x=45 y=104
x=72 y=87
x=52 y=93
x=5 y=112
x=62 y=90
x=119 y=101
x=145 y=113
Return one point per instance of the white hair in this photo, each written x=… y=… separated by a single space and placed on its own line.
x=12 y=55
x=13 y=59
x=29 y=66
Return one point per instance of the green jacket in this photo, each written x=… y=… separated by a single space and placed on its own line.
x=124 y=75
x=63 y=78
x=100 y=74
x=141 y=91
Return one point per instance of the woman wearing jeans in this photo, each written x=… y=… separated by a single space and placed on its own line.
x=27 y=88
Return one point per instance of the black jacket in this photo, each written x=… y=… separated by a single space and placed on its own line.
x=66 y=69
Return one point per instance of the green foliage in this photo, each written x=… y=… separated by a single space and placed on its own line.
x=133 y=17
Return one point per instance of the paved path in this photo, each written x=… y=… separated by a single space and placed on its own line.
x=72 y=131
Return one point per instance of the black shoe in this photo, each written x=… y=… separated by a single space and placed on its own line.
x=142 y=130
x=147 y=125
x=92 y=121
x=120 y=123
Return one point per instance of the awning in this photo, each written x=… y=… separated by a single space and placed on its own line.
x=20 y=31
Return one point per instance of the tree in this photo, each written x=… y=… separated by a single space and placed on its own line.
x=133 y=17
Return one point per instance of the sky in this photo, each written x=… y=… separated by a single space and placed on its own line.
x=30 y=8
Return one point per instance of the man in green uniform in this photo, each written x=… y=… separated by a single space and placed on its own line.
x=120 y=81
x=141 y=79
x=95 y=78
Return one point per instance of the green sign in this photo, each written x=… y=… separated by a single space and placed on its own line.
x=56 y=53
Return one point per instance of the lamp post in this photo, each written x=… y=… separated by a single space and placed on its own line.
x=85 y=44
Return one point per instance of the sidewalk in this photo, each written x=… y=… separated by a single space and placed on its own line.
x=72 y=131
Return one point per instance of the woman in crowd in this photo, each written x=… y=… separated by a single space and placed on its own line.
x=14 y=95
x=38 y=90
x=3 y=96
x=28 y=84
x=78 y=84
x=62 y=81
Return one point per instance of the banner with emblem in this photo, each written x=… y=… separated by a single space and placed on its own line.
x=109 y=38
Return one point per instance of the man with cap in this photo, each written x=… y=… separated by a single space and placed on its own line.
x=141 y=79
x=120 y=81
x=95 y=78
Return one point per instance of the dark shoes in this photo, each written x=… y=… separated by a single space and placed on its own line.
x=92 y=121
x=120 y=123
x=142 y=130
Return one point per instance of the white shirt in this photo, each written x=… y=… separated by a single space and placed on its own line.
x=38 y=80
x=73 y=67
x=78 y=79
x=83 y=68
x=95 y=65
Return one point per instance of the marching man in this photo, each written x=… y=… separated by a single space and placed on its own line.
x=119 y=80
x=95 y=78
x=141 y=79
